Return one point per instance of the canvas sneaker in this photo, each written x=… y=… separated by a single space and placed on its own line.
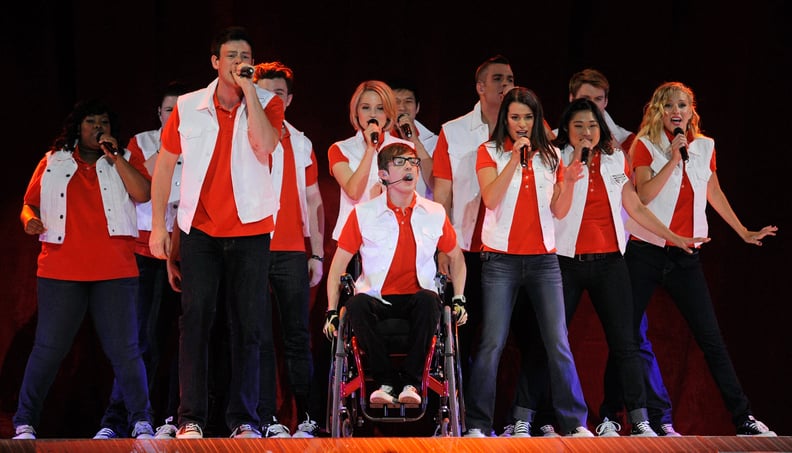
x=189 y=431
x=166 y=431
x=520 y=428
x=25 y=432
x=753 y=427
x=667 y=430
x=580 y=431
x=383 y=395
x=409 y=395
x=275 y=430
x=642 y=429
x=548 y=431
x=245 y=431
x=474 y=432
x=608 y=428
x=143 y=430
x=105 y=433
x=306 y=429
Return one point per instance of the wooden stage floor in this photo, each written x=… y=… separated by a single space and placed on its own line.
x=407 y=444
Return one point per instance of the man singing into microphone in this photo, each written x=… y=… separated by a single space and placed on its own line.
x=397 y=234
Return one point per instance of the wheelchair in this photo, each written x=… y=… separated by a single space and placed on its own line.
x=348 y=405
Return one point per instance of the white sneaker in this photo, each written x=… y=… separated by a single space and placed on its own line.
x=580 y=431
x=474 y=432
x=275 y=430
x=409 y=395
x=189 y=431
x=383 y=395
x=667 y=430
x=25 y=432
x=306 y=429
x=143 y=430
x=245 y=431
x=166 y=431
x=608 y=428
x=642 y=429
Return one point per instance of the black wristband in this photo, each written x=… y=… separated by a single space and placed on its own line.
x=317 y=258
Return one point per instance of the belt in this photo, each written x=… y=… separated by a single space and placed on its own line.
x=596 y=256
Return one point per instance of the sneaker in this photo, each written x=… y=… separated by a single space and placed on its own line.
x=409 y=395
x=275 y=430
x=105 y=433
x=642 y=429
x=143 y=430
x=580 y=431
x=667 y=430
x=189 y=431
x=166 y=431
x=306 y=429
x=520 y=428
x=384 y=395
x=608 y=428
x=753 y=427
x=245 y=431
x=548 y=431
x=474 y=432
x=25 y=432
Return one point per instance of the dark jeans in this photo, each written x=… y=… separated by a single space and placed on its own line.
x=423 y=312
x=502 y=277
x=241 y=264
x=157 y=308
x=291 y=291
x=683 y=278
x=62 y=305
x=470 y=332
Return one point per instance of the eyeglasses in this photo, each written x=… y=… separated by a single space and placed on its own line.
x=399 y=161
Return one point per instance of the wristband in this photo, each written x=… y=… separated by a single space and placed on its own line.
x=317 y=258
x=459 y=299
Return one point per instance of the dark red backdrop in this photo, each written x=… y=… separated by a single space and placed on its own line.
x=735 y=59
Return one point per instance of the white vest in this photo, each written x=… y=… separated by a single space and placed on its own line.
x=149 y=142
x=353 y=149
x=498 y=222
x=379 y=228
x=464 y=135
x=250 y=178
x=118 y=207
x=429 y=141
x=612 y=171
x=698 y=170
x=302 y=147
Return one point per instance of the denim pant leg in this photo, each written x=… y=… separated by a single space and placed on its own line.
x=687 y=285
x=112 y=305
x=62 y=306
x=248 y=307
x=291 y=289
x=202 y=270
x=500 y=278
x=541 y=277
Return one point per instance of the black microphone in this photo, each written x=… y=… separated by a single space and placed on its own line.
x=247 y=72
x=584 y=153
x=523 y=152
x=407 y=177
x=374 y=135
x=406 y=130
x=109 y=146
x=682 y=150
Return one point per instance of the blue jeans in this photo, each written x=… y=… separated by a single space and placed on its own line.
x=242 y=265
x=157 y=306
x=502 y=276
x=290 y=285
x=62 y=305
x=683 y=278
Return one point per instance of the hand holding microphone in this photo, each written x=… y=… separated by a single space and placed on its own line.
x=106 y=145
x=682 y=149
x=247 y=72
x=374 y=134
x=525 y=151
x=404 y=127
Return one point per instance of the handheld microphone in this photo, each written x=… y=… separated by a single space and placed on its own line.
x=584 y=154
x=374 y=135
x=107 y=145
x=682 y=150
x=247 y=72
x=406 y=130
x=524 y=156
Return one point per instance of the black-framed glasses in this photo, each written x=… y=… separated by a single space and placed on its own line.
x=399 y=161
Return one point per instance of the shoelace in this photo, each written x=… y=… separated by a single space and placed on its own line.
x=106 y=432
x=607 y=425
x=308 y=426
x=276 y=428
x=642 y=427
x=547 y=429
x=508 y=430
x=521 y=427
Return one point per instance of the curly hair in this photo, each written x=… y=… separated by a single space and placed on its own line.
x=70 y=132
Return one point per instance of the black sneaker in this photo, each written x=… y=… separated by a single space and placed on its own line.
x=753 y=427
x=642 y=429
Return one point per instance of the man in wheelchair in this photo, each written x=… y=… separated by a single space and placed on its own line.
x=397 y=235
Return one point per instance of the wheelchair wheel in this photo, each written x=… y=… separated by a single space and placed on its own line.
x=339 y=415
x=452 y=373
